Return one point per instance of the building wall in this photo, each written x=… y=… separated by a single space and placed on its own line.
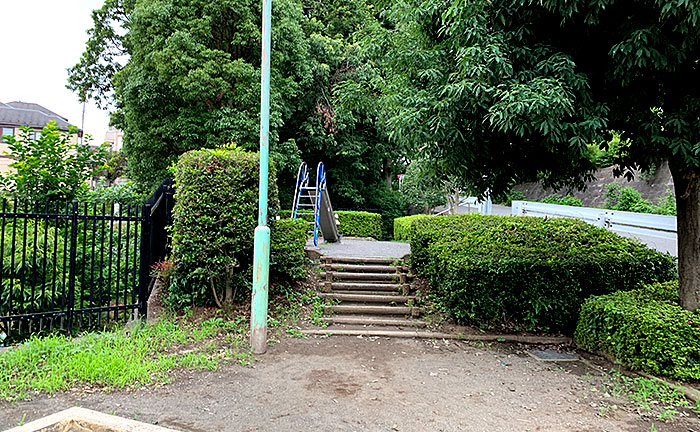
x=5 y=160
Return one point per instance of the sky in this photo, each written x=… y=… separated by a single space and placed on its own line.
x=39 y=40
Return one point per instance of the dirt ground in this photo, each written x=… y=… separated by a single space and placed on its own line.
x=365 y=384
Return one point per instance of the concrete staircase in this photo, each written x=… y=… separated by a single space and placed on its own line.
x=371 y=296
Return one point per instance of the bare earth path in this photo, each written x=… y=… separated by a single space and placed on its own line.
x=353 y=384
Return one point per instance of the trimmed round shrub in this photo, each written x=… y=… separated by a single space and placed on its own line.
x=287 y=256
x=215 y=214
x=531 y=272
x=402 y=226
x=645 y=329
x=351 y=223
x=360 y=224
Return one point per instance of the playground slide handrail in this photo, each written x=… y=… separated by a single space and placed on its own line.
x=302 y=181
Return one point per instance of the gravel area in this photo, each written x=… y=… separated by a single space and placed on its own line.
x=363 y=248
x=370 y=384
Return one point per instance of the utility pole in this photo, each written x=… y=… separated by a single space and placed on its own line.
x=82 y=126
x=261 y=259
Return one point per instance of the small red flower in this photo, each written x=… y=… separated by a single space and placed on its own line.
x=690 y=322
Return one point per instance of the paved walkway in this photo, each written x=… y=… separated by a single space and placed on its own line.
x=363 y=248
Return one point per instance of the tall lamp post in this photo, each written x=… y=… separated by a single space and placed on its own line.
x=261 y=260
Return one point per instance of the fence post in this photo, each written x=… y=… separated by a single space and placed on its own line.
x=145 y=261
x=72 y=264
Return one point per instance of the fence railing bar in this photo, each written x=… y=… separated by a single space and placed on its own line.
x=2 y=255
x=63 y=313
x=109 y=265
x=34 y=251
x=23 y=269
x=83 y=266
x=46 y=251
x=119 y=261
x=102 y=260
x=93 y=298
x=71 y=269
x=12 y=266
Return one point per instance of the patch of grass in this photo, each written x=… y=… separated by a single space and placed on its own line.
x=648 y=394
x=126 y=357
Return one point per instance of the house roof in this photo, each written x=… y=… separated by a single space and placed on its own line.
x=29 y=114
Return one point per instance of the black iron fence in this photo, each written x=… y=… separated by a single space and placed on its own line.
x=76 y=265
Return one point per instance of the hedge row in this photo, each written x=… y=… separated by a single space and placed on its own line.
x=531 y=272
x=352 y=223
x=402 y=226
x=645 y=329
x=214 y=218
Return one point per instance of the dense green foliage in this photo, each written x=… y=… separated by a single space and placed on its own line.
x=191 y=80
x=350 y=223
x=360 y=224
x=530 y=272
x=568 y=200
x=629 y=199
x=645 y=329
x=287 y=257
x=52 y=167
x=403 y=226
x=214 y=217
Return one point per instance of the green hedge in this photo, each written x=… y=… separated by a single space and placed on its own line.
x=360 y=224
x=645 y=329
x=352 y=223
x=531 y=272
x=402 y=226
x=287 y=256
x=215 y=214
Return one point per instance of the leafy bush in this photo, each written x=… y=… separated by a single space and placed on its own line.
x=629 y=199
x=287 y=257
x=32 y=257
x=214 y=217
x=565 y=200
x=645 y=329
x=351 y=223
x=360 y=224
x=532 y=272
x=125 y=193
x=50 y=167
x=393 y=204
x=508 y=198
x=402 y=226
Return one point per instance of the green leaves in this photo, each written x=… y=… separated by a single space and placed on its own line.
x=525 y=272
x=645 y=329
x=52 y=167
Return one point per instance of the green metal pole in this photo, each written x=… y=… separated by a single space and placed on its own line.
x=261 y=259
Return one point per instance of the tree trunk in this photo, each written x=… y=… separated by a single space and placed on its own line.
x=687 y=186
x=386 y=170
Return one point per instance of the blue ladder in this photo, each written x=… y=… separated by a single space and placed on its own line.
x=307 y=199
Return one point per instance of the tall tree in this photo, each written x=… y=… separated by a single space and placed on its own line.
x=505 y=91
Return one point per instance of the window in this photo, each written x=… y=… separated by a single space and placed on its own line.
x=6 y=131
x=36 y=135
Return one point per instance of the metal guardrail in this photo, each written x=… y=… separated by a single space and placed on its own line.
x=638 y=224
x=481 y=206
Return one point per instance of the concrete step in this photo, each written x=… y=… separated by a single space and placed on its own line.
x=369 y=320
x=363 y=260
x=361 y=309
x=394 y=277
x=363 y=286
x=382 y=333
x=384 y=293
x=367 y=298
x=361 y=268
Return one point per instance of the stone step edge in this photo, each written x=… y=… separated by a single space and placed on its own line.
x=375 y=310
x=368 y=298
x=362 y=260
x=535 y=340
x=365 y=320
